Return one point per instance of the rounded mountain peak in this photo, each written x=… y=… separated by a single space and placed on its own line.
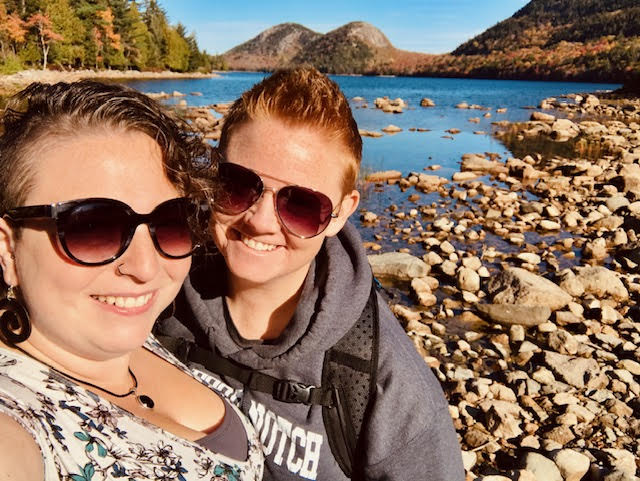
x=363 y=31
x=283 y=40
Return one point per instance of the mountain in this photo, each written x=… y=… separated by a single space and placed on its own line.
x=546 y=23
x=354 y=47
x=357 y=47
x=272 y=48
x=591 y=40
x=582 y=40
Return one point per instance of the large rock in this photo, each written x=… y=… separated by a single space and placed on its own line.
x=422 y=290
x=390 y=105
x=468 y=280
x=543 y=468
x=429 y=183
x=398 y=265
x=519 y=286
x=563 y=130
x=510 y=314
x=383 y=176
x=502 y=418
x=579 y=372
x=542 y=116
x=572 y=464
x=621 y=460
x=590 y=101
x=477 y=163
x=630 y=175
x=601 y=282
x=391 y=129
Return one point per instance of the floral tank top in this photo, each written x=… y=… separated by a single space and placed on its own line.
x=84 y=437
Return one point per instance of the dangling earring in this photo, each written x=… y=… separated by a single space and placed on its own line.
x=15 y=326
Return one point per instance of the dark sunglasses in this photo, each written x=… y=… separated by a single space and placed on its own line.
x=303 y=212
x=97 y=231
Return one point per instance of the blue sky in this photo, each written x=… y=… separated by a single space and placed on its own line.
x=429 y=26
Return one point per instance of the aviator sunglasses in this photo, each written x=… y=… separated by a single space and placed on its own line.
x=97 y=231
x=302 y=211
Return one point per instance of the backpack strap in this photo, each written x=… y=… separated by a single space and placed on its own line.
x=284 y=390
x=350 y=367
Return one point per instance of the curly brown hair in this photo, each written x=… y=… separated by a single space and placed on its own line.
x=63 y=109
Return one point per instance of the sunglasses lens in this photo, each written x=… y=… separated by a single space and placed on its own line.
x=95 y=232
x=241 y=188
x=172 y=227
x=303 y=212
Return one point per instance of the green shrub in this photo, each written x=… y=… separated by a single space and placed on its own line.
x=11 y=64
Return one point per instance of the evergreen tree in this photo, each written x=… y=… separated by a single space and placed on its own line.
x=70 y=50
x=135 y=37
x=177 y=56
x=156 y=21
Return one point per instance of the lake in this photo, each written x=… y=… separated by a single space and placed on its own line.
x=407 y=151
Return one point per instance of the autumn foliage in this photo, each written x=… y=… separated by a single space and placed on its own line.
x=114 y=34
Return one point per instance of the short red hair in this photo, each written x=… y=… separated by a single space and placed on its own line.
x=300 y=97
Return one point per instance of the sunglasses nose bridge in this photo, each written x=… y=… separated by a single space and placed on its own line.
x=263 y=213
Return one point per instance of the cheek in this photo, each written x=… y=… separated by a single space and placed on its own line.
x=178 y=270
x=51 y=286
x=305 y=249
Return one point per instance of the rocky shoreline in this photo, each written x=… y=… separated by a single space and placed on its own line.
x=518 y=286
x=540 y=363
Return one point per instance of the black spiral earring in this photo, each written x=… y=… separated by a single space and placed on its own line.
x=15 y=326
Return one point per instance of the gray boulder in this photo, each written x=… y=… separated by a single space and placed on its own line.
x=513 y=314
x=398 y=265
x=579 y=372
x=519 y=286
x=572 y=464
x=543 y=468
x=601 y=282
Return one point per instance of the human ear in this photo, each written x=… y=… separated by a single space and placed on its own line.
x=7 y=258
x=348 y=206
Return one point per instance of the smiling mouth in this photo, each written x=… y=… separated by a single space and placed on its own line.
x=125 y=301
x=255 y=245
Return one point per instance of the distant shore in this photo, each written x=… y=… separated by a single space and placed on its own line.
x=11 y=83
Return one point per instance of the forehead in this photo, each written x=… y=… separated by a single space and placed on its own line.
x=97 y=163
x=298 y=154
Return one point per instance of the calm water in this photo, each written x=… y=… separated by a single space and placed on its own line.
x=407 y=151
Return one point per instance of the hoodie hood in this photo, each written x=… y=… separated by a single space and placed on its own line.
x=340 y=268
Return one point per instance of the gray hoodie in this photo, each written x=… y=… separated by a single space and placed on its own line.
x=409 y=434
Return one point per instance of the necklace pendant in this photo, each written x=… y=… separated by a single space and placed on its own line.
x=145 y=401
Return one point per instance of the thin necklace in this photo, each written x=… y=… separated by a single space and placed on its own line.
x=144 y=400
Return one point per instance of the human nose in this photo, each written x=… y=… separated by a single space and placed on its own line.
x=140 y=261
x=262 y=215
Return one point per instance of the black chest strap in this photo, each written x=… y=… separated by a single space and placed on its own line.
x=285 y=390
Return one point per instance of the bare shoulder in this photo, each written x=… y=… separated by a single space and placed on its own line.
x=20 y=457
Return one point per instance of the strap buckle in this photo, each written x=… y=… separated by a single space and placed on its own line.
x=292 y=392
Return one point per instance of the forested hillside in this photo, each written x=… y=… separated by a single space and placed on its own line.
x=100 y=34
x=557 y=39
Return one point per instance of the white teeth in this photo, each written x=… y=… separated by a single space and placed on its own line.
x=254 y=244
x=126 y=302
